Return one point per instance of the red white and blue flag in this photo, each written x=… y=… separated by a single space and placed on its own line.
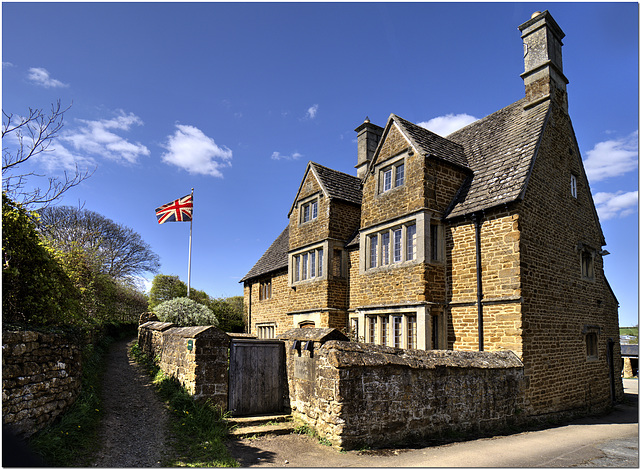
x=179 y=210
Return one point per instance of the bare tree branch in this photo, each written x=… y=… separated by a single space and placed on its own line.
x=32 y=135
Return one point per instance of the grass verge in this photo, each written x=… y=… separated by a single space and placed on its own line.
x=198 y=429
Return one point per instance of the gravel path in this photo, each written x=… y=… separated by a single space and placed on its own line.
x=133 y=429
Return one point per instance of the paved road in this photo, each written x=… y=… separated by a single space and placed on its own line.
x=609 y=441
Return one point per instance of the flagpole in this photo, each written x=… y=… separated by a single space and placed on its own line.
x=190 y=232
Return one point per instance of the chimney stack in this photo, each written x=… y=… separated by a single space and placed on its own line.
x=543 y=76
x=368 y=137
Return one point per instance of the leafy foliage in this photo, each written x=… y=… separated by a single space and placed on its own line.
x=35 y=288
x=111 y=248
x=185 y=312
x=164 y=288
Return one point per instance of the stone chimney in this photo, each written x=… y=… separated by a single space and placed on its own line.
x=368 y=137
x=543 y=76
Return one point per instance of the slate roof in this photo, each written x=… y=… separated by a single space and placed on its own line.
x=500 y=149
x=430 y=144
x=275 y=258
x=339 y=185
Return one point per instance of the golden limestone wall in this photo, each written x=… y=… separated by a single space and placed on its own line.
x=301 y=234
x=500 y=257
x=272 y=310
x=560 y=305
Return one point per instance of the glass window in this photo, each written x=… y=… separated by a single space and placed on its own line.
x=309 y=211
x=397 y=331
x=384 y=330
x=397 y=245
x=574 y=186
x=592 y=345
x=399 y=175
x=372 y=329
x=411 y=242
x=320 y=256
x=373 y=242
x=435 y=243
x=297 y=269
x=385 y=248
x=587 y=264
x=305 y=266
x=411 y=332
x=386 y=177
x=312 y=264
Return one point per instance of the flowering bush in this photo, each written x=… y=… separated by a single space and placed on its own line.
x=185 y=312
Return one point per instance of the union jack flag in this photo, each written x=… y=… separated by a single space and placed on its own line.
x=179 y=210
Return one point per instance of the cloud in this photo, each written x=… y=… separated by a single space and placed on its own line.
x=190 y=149
x=616 y=205
x=100 y=138
x=312 y=111
x=7 y=65
x=277 y=156
x=40 y=77
x=612 y=158
x=445 y=125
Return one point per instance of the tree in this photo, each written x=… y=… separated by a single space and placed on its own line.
x=117 y=250
x=32 y=135
x=164 y=288
x=229 y=311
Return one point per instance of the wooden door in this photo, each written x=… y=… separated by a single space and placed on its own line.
x=256 y=376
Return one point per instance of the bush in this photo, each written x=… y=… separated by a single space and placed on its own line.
x=185 y=312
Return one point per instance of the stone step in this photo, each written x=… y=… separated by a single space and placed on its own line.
x=257 y=420
x=281 y=428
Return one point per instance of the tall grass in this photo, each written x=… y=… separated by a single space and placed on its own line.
x=198 y=429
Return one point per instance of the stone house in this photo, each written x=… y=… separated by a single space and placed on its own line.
x=487 y=239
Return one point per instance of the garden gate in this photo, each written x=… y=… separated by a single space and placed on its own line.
x=256 y=376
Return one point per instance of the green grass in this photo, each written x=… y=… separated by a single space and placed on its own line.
x=305 y=429
x=198 y=429
x=72 y=438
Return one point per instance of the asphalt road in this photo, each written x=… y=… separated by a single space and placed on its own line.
x=608 y=441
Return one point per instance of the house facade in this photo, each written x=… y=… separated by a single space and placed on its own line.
x=487 y=239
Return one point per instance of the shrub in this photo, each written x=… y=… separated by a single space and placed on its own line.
x=185 y=312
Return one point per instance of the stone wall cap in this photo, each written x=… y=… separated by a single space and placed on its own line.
x=196 y=332
x=241 y=335
x=351 y=354
x=316 y=334
x=157 y=325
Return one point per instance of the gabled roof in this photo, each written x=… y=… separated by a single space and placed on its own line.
x=275 y=258
x=334 y=184
x=500 y=149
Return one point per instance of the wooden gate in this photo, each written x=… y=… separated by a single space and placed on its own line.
x=256 y=376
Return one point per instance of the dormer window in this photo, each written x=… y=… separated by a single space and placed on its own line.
x=309 y=211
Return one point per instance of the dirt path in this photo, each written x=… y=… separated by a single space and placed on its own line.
x=133 y=430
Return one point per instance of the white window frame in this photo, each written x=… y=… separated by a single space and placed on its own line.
x=266 y=330
x=307 y=264
x=574 y=186
x=391 y=246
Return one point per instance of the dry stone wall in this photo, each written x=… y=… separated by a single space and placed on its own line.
x=363 y=394
x=41 y=377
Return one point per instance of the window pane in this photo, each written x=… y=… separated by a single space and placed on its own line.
x=387 y=180
x=305 y=212
x=320 y=256
x=372 y=329
x=297 y=271
x=384 y=330
x=305 y=265
x=411 y=242
x=397 y=245
x=373 y=242
x=312 y=264
x=399 y=175
x=385 y=248
x=397 y=331
x=314 y=209
x=411 y=332
x=574 y=186
x=435 y=242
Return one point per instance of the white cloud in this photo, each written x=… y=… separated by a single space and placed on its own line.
x=7 y=65
x=277 y=156
x=100 y=138
x=612 y=158
x=616 y=205
x=444 y=125
x=190 y=149
x=40 y=77
x=312 y=111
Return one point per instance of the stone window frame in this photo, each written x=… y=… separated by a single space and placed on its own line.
x=266 y=330
x=380 y=328
x=311 y=203
x=373 y=238
x=573 y=185
x=591 y=340
x=395 y=168
x=319 y=266
x=436 y=246
x=587 y=261
x=265 y=290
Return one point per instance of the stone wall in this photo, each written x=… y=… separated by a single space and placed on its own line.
x=196 y=356
x=150 y=337
x=41 y=377
x=362 y=394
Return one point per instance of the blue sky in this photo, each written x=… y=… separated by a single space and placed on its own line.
x=234 y=99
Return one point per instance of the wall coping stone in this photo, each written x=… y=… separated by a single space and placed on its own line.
x=197 y=332
x=241 y=335
x=352 y=354
x=316 y=334
x=157 y=325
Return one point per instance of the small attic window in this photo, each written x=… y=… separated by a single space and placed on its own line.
x=574 y=186
x=309 y=211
